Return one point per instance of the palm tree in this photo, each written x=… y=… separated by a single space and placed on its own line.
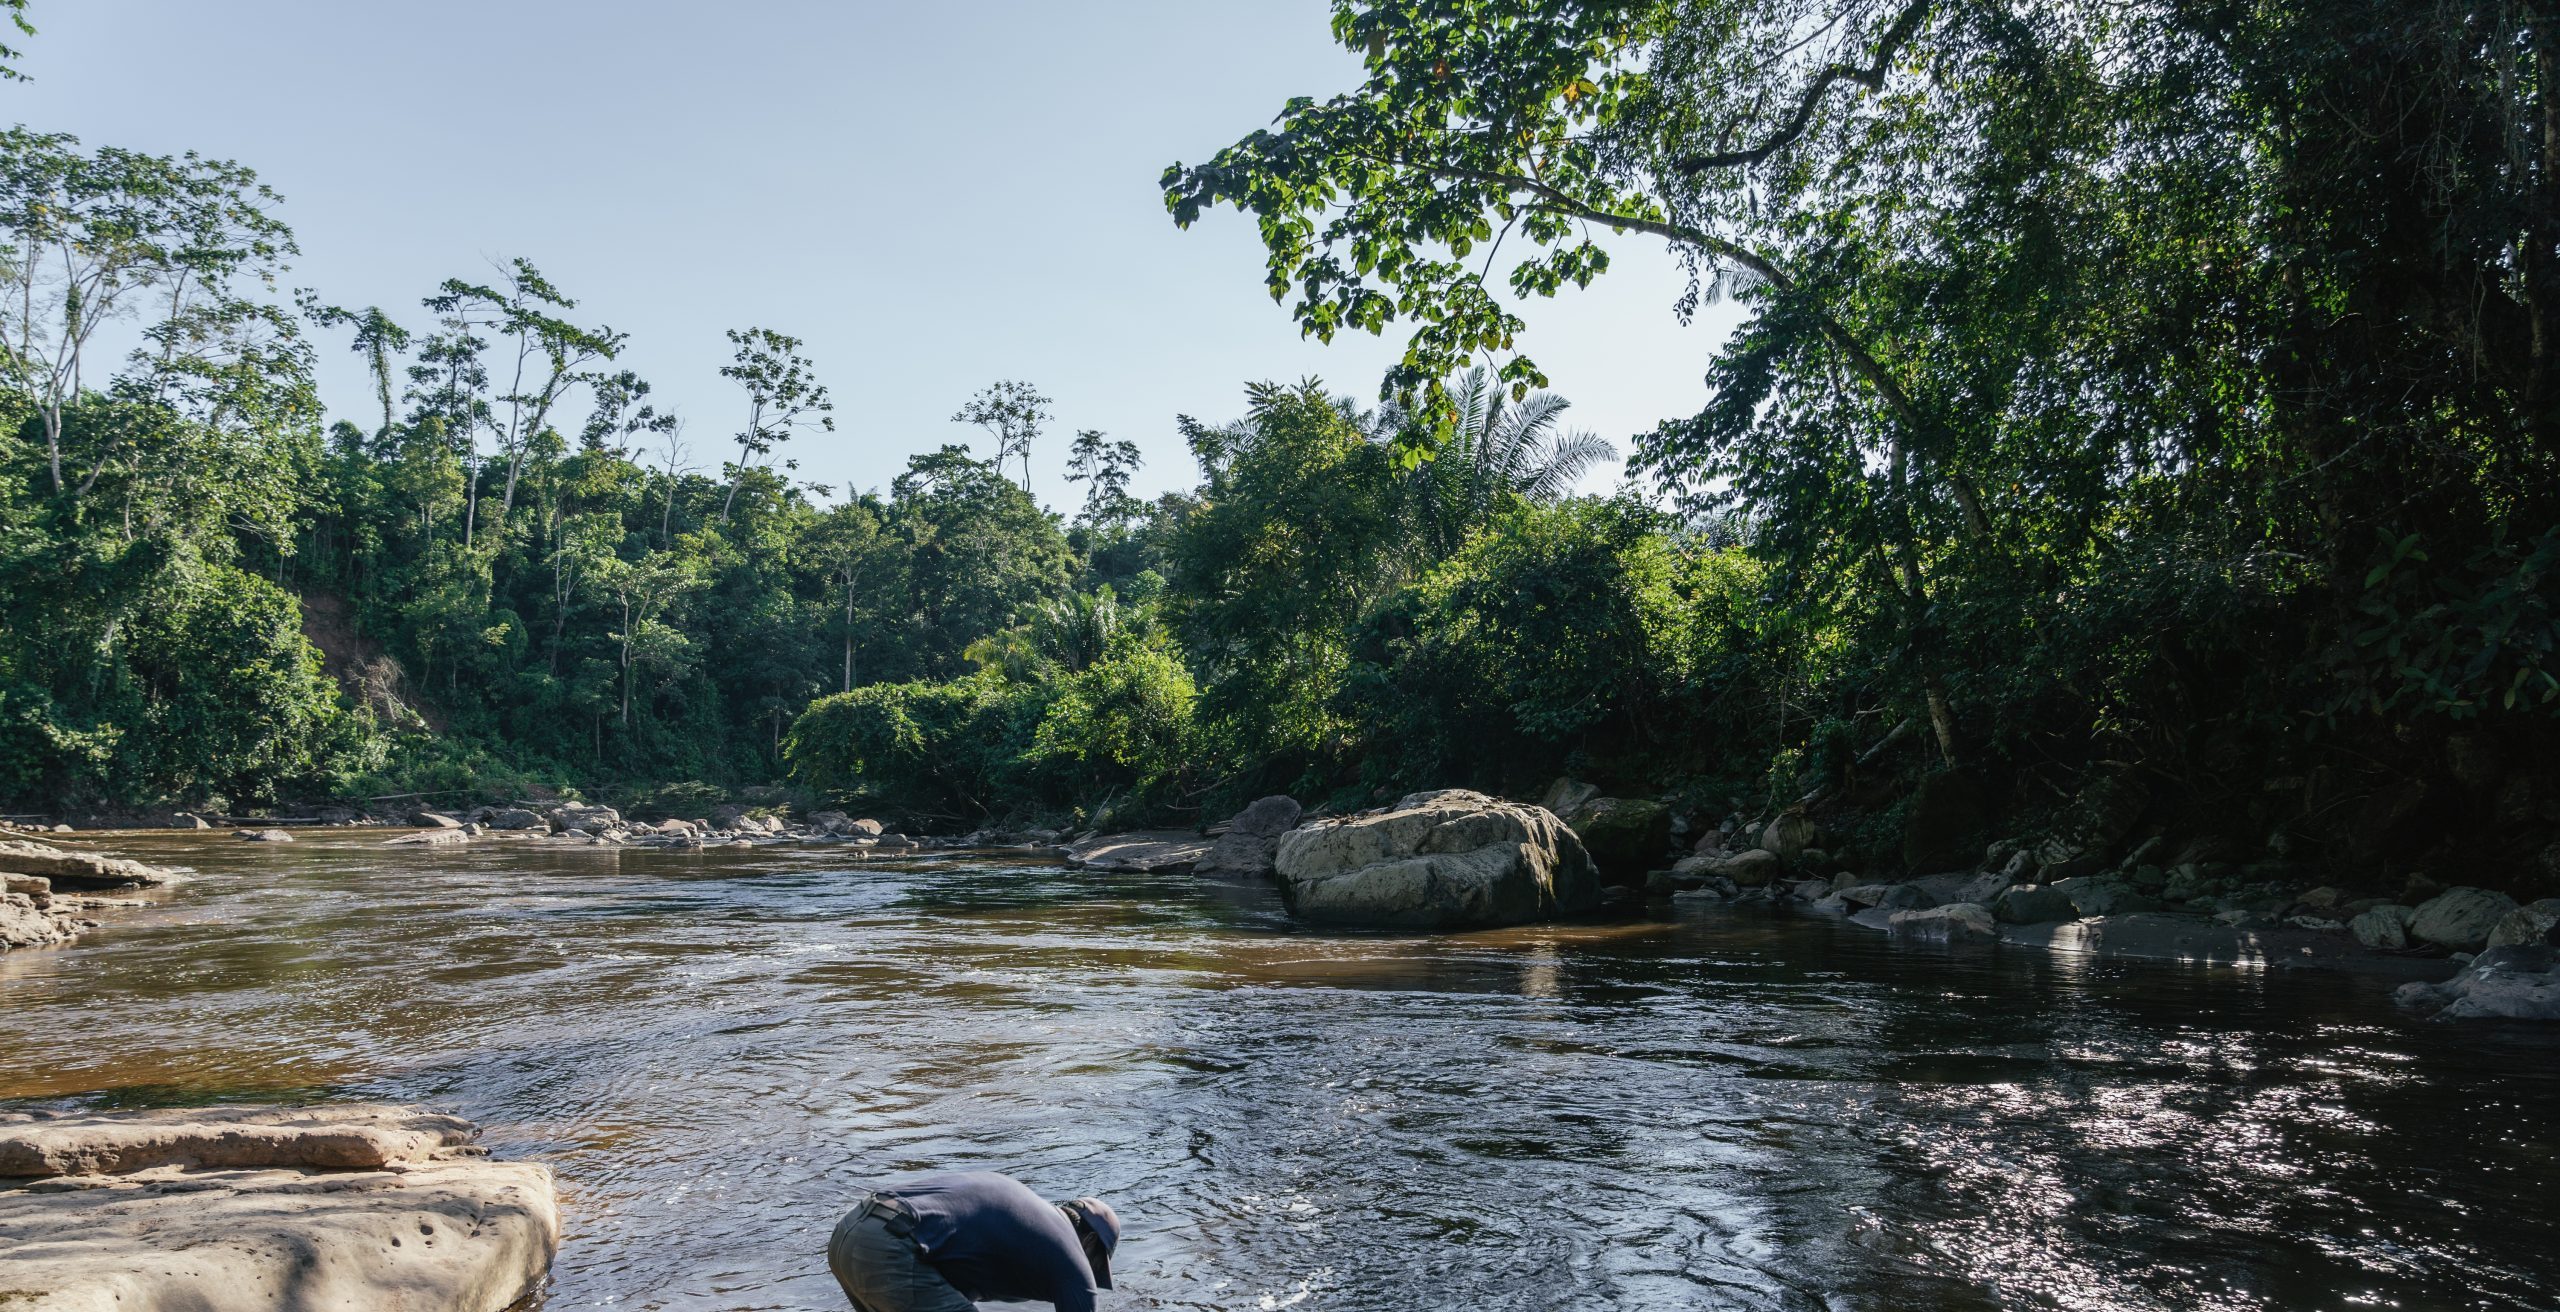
x=1502 y=449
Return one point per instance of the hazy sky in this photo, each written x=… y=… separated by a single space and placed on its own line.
x=933 y=196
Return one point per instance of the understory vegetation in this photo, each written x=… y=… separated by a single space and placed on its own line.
x=2159 y=391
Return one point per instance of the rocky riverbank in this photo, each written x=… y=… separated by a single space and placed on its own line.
x=48 y=890
x=247 y=1209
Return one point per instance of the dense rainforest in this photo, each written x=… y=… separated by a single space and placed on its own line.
x=2160 y=392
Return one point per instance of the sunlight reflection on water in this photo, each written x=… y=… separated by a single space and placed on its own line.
x=1720 y=1111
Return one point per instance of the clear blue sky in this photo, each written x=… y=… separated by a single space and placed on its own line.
x=934 y=196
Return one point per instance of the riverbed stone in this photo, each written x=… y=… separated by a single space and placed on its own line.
x=2533 y=924
x=2384 y=928
x=1888 y=897
x=24 y=924
x=1250 y=848
x=429 y=838
x=2033 y=904
x=514 y=818
x=433 y=820
x=2460 y=918
x=1956 y=922
x=1451 y=859
x=259 y=1209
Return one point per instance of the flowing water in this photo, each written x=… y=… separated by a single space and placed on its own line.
x=1721 y=1110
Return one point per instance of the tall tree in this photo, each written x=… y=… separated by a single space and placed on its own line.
x=1013 y=413
x=783 y=397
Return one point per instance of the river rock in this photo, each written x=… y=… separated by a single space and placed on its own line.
x=75 y=871
x=1746 y=869
x=1567 y=795
x=2508 y=983
x=844 y=826
x=429 y=838
x=2105 y=895
x=1956 y=922
x=1888 y=897
x=2531 y=925
x=1251 y=846
x=580 y=818
x=433 y=820
x=1789 y=834
x=1172 y=851
x=259 y=1209
x=2098 y=819
x=2385 y=927
x=263 y=836
x=2460 y=918
x=1626 y=836
x=1440 y=860
x=26 y=923
x=2033 y=904
x=514 y=818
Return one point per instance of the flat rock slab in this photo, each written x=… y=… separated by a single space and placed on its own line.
x=256 y=1210
x=77 y=871
x=1146 y=852
x=459 y=1236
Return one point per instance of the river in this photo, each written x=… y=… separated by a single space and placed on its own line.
x=1711 y=1110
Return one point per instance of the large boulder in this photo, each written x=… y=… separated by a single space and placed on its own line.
x=1626 y=836
x=75 y=871
x=1942 y=829
x=1566 y=795
x=1441 y=860
x=1251 y=846
x=2533 y=924
x=1749 y=869
x=26 y=923
x=263 y=836
x=580 y=818
x=514 y=817
x=433 y=820
x=2460 y=918
x=252 y=1209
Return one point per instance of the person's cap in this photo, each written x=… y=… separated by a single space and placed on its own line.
x=1097 y=1216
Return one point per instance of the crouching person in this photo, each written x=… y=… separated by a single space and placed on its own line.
x=944 y=1243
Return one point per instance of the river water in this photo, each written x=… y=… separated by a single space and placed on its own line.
x=1716 y=1110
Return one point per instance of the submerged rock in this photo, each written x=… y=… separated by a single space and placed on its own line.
x=1145 y=852
x=263 y=836
x=251 y=1209
x=1250 y=848
x=514 y=817
x=1441 y=860
x=2507 y=983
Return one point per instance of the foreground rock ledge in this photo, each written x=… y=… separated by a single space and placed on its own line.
x=249 y=1209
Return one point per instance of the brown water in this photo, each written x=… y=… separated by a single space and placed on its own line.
x=1726 y=1111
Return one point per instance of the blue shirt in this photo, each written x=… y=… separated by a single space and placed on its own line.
x=996 y=1241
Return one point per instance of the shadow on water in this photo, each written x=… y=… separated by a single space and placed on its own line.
x=1725 y=1110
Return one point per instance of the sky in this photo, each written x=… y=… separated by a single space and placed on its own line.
x=931 y=196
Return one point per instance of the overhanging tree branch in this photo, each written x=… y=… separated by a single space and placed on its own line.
x=1905 y=26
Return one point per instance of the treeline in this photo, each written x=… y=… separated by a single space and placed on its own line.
x=2155 y=393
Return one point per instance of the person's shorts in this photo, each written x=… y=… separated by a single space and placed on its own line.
x=874 y=1256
